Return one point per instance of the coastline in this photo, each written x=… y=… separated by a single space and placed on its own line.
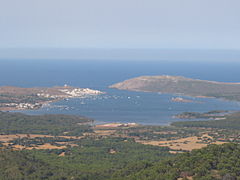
x=179 y=85
x=35 y=98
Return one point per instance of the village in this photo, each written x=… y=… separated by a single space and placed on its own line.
x=15 y=98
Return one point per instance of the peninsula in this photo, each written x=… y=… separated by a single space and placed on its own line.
x=17 y=98
x=181 y=86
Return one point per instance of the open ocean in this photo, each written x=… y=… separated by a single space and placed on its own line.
x=115 y=105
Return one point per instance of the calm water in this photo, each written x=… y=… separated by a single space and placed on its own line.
x=115 y=105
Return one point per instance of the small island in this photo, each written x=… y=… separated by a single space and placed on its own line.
x=181 y=86
x=215 y=115
x=17 y=98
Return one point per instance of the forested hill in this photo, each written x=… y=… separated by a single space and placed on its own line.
x=211 y=163
x=51 y=124
x=181 y=85
x=215 y=162
x=92 y=159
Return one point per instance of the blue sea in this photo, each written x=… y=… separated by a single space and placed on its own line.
x=116 y=105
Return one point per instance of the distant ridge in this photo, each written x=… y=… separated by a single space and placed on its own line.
x=181 y=85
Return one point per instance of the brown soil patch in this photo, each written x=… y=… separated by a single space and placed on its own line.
x=7 y=138
x=10 y=137
x=219 y=142
x=187 y=144
x=175 y=152
x=49 y=146
x=69 y=143
x=62 y=154
x=109 y=125
x=44 y=146
x=104 y=132
x=116 y=125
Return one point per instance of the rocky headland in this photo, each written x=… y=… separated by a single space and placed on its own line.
x=181 y=86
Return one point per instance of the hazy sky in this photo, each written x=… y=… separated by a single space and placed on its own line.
x=203 y=24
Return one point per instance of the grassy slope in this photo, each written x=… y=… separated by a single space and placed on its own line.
x=181 y=85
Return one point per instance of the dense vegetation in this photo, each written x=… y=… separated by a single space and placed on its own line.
x=205 y=115
x=12 y=123
x=91 y=160
x=232 y=121
x=210 y=163
x=118 y=159
x=110 y=157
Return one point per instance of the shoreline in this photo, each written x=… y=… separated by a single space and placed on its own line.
x=179 y=85
x=15 y=98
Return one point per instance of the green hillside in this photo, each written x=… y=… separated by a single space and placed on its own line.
x=12 y=123
x=181 y=85
x=211 y=163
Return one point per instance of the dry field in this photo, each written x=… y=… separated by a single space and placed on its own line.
x=104 y=132
x=5 y=139
x=187 y=144
x=44 y=146
x=10 y=137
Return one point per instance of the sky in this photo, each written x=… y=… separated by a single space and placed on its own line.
x=163 y=24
